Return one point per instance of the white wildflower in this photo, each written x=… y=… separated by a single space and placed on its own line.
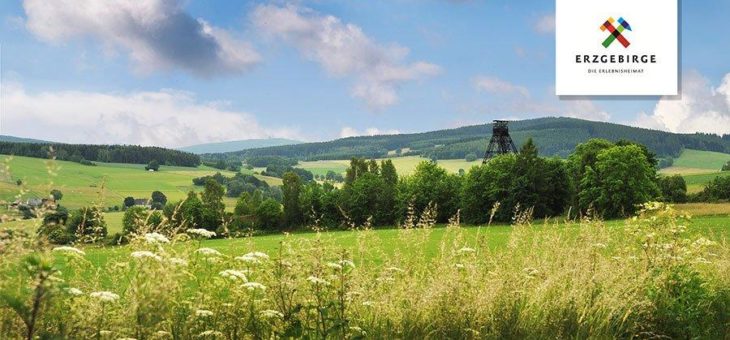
x=335 y=266
x=368 y=303
x=235 y=275
x=600 y=246
x=254 y=286
x=155 y=238
x=394 y=269
x=203 y=313
x=208 y=252
x=142 y=254
x=317 y=281
x=163 y=333
x=178 y=261
x=466 y=250
x=347 y=264
x=69 y=250
x=531 y=271
x=201 y=232
x=253 y=257
x=270 y=313
x=211 y=333
x=75 y=291
x=459 y=266
x=105 y=296
x=105 y=332
x=358 y=330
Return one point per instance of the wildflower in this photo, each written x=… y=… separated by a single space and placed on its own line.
x=358 y=330
x=254 y=286
x=211 y=333
x=459 y=266
x=235 y=275
x=208 y=252
x=105 y=332
x=179 y=262
x=146 y=254
x=105 y=296
x=270 y=313
x=531 y=271
x=368 y=303
x=69 y=250
x=253 y=257
x=75 y=291
x=466 y=250
x=347 y=264
x=600 y=245
x=335 y=266
x=203 y=313
x=155 y=238
x=201 y=232
x=317 y=281
x=163 y=334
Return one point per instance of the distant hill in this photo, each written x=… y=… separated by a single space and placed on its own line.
x=13 y=139
x=553 y=136
x=237 y=145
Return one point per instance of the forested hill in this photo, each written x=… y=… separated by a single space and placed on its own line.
x=85 y=154
x=554 y=137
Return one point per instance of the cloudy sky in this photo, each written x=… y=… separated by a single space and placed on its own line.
x=182 y=72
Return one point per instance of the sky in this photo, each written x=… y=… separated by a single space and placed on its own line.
x=182 y=72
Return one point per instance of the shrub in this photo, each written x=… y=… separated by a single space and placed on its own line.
x=470 y=157
x=87 y=225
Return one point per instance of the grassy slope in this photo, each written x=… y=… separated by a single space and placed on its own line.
x=698 y=168
x=404 y=165
x=108 y=182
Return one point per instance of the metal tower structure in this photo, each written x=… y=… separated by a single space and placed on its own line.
x=501 y=143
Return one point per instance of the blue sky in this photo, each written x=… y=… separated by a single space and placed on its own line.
x=175 y=73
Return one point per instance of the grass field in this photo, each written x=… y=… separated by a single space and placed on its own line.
x=403 y=165
x=81 y=185
x=698 y=168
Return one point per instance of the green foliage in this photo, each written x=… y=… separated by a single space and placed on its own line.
x=673 y=188
x=486 y=185
x=136 y=217
x=153 y=165
x=56 y=194
x=431 y=184
x=470 y=157
x=87 y=225
x=269 y=214
x=128 y=202
x=718 y=189
x=291 y=189
x=158 y=200
x=212 y=206
x=618 y=182
x=84 y=153
x=726 y=167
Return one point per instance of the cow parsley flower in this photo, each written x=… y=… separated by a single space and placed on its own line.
x=105 y=296
x=155 y=238
x=203 y=313
x=201 y=232
x=270 y=313
x=75 y=291
x=255 y=257
x=235 y=275
x=254 y=286
x=142 y=254
x=178 y=262
x=69 y=250
x=211 y=333
x=317 y=281
x=335 y=266
x=466 y=250
x=208 y=252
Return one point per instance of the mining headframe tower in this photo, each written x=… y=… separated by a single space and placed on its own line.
x=501 y=143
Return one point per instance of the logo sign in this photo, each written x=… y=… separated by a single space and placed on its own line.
x=599 y=55
x=616 y=32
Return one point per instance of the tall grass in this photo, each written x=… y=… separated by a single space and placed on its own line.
x=646 y=280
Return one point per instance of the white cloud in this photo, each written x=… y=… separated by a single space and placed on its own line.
x=343 y=50
x=701 y=108
x=157 y=34
x=163 y=118
x=546 y=24
x=352 y=132
x=498 y=86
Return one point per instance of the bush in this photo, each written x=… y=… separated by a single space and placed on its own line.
x=87 y=225
x=269 y=214
x=470 y=157
x=726 y=167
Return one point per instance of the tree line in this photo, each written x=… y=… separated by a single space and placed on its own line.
x=86 y=153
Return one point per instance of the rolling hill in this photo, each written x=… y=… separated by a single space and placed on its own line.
x=13 y=139
x=237 y=145
x=554 y=137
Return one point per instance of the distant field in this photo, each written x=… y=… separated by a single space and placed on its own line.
x=106 y=183
x=404 y=165
x=698 y=168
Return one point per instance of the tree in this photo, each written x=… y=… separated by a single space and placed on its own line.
x=726 y=167
x=128 y=202
x=57 y=194
x=717 y=189
x=673 y=188
x=620 y=180
x=386 y=214
x=268 y=214
x=485 y=185
x=153 y=165
x=471 y=157
x=158 y=200
x=291 y=188
x=191 y=211
x=431 y=183
x=212 y=205
x=87 y=225
x=133 y=218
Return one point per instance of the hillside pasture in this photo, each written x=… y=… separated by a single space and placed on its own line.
x=403 y=165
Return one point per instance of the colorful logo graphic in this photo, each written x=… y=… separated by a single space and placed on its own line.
x=616 y=32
